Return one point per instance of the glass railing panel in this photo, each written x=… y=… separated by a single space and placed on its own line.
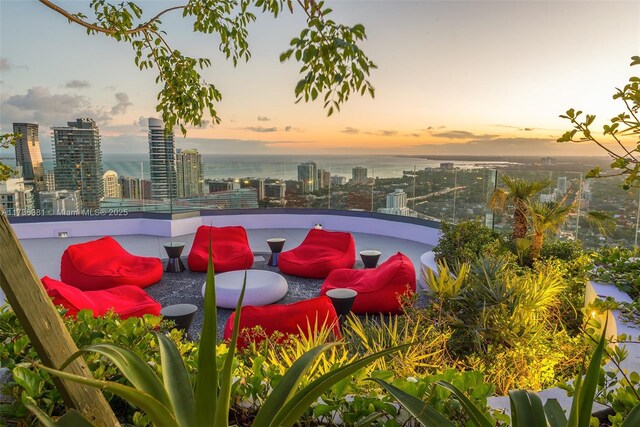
x=393 y=189
x=471 y=189
x=607 y=195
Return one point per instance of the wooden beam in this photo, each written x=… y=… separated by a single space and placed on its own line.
x=45 y=327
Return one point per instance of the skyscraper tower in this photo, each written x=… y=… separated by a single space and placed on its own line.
x=359 y=175
x=28 y=155
x=190 y=174
x=308 y=175
x=112 y=188
x=397 y=199
x=79 y=160
x=162 y=154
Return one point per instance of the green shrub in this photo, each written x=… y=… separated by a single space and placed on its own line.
x=533 y=365
x=619 y=266
x=565 y=250
x=134 y=333
x=465 y=241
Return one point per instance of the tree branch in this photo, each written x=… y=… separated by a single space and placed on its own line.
x=99 y=29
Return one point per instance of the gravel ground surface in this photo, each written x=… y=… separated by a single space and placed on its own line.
x=186 y=288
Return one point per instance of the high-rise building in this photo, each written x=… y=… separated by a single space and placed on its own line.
x=63 y=202
x=79 y=160
x=49 y=181
x=16 y=199
x=308 y=176
x=562 y=185
x=324 y=178
x=257 y=183
x=162 y=154
x=397 y=204
x=190 y=173
x=28 y=155
x=359 y=175
x=275 y=190
x=135 y=188
x=397 y=199
x=112 y=188
x=447 y=166
x=337 y=181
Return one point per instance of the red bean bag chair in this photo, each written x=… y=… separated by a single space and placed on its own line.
x=288 y=319
x=229 y=247
x=103 y=264
x=320 y=253
x=378 y=288
x=127 y=301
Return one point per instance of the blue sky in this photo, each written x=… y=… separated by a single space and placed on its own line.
x=454 y=77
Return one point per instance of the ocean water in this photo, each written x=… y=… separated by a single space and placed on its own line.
x=281 y=167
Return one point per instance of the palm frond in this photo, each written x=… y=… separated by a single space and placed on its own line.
x=606 y=223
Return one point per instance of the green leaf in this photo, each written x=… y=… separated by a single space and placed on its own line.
x=419 y=409
x=27 y=379
x=478 y=418
x=526 y=409
x=633 y=419
x=71 y=419
x=207 y=379
x=580 y=414
x=158 y=413
x=555 y=414
x=176 y=382
x=287 y=386
x=221 y=416
x=136 y=370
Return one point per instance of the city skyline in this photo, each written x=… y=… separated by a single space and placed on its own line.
x=454 y=78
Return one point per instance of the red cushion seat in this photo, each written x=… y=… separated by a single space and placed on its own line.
x=288 y=319
x=319 y=253
x=103 y=263
x=229 y=248
x=127 y=301
x=378 y=288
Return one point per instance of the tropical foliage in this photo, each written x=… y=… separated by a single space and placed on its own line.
x=332 y=65
x=527 y=408
x=464 y=241
x=546 y=218
x=518 y=192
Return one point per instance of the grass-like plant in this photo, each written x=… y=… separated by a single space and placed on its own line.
x=171 y=401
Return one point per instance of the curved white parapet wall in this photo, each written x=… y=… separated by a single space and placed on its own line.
x=382 y=225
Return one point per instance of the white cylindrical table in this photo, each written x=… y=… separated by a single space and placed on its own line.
x=263 y=287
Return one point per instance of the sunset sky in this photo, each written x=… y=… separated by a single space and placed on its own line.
x=454 y=77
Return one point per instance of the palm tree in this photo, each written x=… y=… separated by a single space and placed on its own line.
x=546 y=217
x=518 y=192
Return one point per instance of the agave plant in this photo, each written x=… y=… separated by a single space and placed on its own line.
x=445 y=284
x=172 y=402
x=527 y=409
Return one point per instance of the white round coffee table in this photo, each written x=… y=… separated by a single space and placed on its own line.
x=263 y=287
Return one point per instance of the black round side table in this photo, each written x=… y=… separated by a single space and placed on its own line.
x=174 y=250
x=181 y=314
x=370 y=258
x=342 y=300
x=276 y=244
